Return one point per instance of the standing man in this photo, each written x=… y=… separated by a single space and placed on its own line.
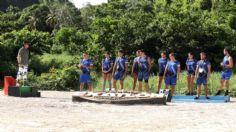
x=135 y=69
x=227 y=66
x=144 y=63
x=203 y=72
x=120 y=70
x=23 y=62
x=85 y=78
x=162 y=65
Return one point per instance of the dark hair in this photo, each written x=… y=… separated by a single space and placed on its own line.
x=142 y=50
x=107 y=53
x=172 y=54
x=227 y=49
x=163 y=52
x=85 y=53
x=138 y=51
x=25 y=42
x=121 y=51
x=203 y=53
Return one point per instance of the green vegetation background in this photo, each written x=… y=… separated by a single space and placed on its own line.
x=59 y=33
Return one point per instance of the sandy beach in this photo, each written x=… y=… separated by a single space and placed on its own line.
x=55 y=112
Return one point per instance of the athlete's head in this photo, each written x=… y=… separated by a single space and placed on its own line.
x=121 y=53
x=107 y=54
x=163 y=54
x=226 y=51
x=190 y=55
x=85 y=55
x=26 y=44
x=142 y=52
x=172 y=56
x=138 y=53
x=203 y=55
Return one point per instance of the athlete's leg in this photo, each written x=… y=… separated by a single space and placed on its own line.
x=160 y=79
x=135 y=77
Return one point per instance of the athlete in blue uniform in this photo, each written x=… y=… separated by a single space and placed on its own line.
x=203 y=72
x=162 y=65
x=191 y=65
x=227 y=65
x=120 y=69
x=135 y=69
x=144 y=63
x=85 y=65
x=107 y=66
x=172 y=73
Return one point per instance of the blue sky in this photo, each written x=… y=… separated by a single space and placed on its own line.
x=81 y=3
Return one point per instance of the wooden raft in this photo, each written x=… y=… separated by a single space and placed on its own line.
x=124 y=98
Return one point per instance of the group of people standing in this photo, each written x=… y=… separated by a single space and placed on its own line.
x=169 y=71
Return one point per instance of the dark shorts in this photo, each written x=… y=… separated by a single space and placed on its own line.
x=202 y=80
x=191 y=73
x=161 y=74
x=171 y=80
x=143 y=76
x=107 y=72
x=119 y=75
x=225 y=75
x=85 y=78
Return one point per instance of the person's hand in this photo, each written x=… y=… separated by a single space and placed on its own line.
x=222 y=64
x=124 y=76
x=208 y=77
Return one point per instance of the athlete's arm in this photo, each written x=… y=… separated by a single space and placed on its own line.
x=164 y=76
x=114 y=68
x=209 y=71
x=91 y=66
x=196 y=72
x=111 y=68
x=178 y=72
x=126 y=69
x=150 y=64
x=231 y=63
x=132 y=70
x=102 y=68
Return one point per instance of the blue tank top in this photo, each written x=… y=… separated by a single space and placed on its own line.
x=203 y=64
x=143 y=64
x=226 y=62
x=191 y=65
x=120 y=63
x=86 y=64
x=107 y=63
x=162 y=64
x=172 y=68
x=136 y=67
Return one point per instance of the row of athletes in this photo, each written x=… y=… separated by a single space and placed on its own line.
x=169 y=70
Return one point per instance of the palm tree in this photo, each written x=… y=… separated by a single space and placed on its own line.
x=33 y=21
x=51 y=20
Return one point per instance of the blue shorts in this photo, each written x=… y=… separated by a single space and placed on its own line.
x=143 y=76
x=119 y=75
x=225 y=75
x=171 y=80
x=85 y=78
x=202 y=80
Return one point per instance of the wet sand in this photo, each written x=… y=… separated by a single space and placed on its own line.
x=55 y=112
